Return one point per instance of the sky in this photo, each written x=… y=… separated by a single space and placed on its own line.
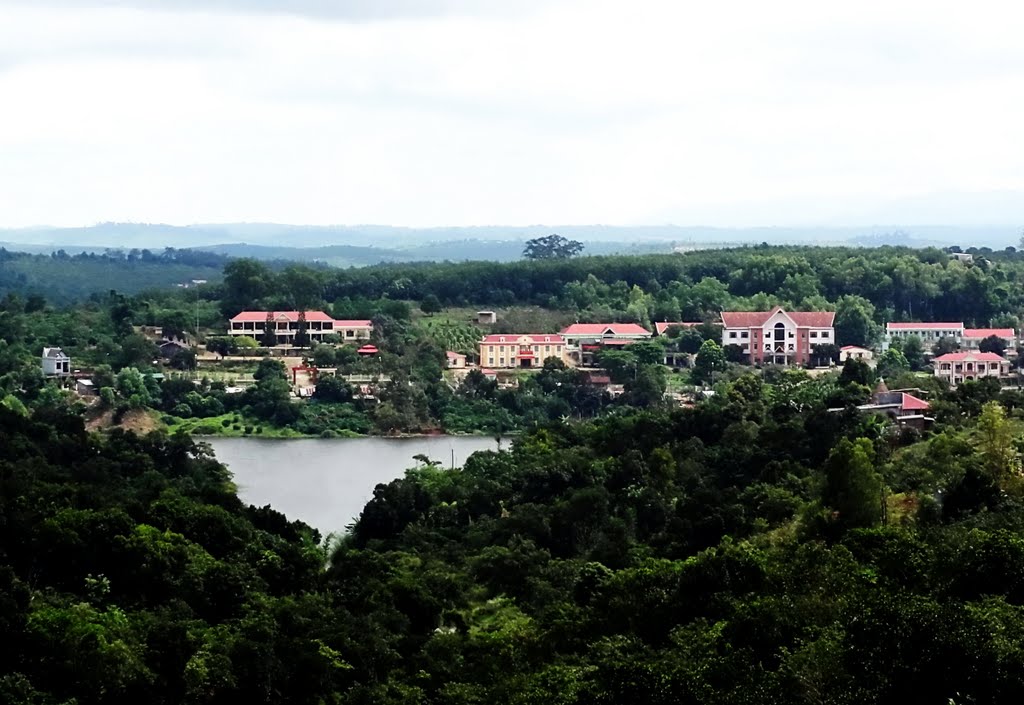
x=483 y=112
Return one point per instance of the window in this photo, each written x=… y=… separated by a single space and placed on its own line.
x=814 y=334
x=792 y=334
x=350 y=334
x=732 y=334
x=744 y=334
x=824 y=334
x=501 y=348
x=490 y=360
x=547 y=348
x=501 y=360
x=501 y=339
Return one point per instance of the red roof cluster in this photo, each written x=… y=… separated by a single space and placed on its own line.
x=603 y=328
x=755 y=319
x=969 y=357
x=986 y=332
x=531 y=338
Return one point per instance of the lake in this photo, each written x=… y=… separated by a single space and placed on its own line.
x=325 y=482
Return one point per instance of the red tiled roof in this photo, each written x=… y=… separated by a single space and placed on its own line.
x=912 y=403
x=928 y=325
x=246 y=316
x=986 y=332
x=352 y=324
x=854 y=347
x=602 y=328
x=368 y=350
x=754 y=319
x=969 y=357
x=661 y=326
x=531 y=338
x=452 y=355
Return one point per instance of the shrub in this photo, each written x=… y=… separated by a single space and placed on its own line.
x=225 y=423
x=205 y=429
x=248 y=430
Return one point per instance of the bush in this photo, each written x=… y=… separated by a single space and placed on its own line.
x=167 y=419
x=248 y=430
x=183 y=410
x=205 y=429
x=259 y=430
x=236 y=427
x=225 y=423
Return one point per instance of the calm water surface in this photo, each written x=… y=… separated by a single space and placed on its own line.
x=326 y=481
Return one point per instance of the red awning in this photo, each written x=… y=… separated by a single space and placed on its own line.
x=368 y=350
x=527 y=355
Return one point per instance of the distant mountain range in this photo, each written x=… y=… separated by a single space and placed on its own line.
x=359 y=245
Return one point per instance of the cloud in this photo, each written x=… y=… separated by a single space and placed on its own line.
x=348 y=10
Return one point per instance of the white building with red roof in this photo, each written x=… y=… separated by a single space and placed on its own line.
x=777 y=336
x=526 y=351
x=855 y=352
x=930 y=332
x=959 y=366
x=662 y=327
x=603 y=333
x=972 y=337
x=286 y=325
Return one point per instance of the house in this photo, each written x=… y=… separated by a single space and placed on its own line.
x=899 y=405
x=604 y=333
x=170 y=347
x=961 y=256
x=524 y=351
x=55 y=362
x=662 y=327
x=368 y=350
x=929 y=333
x=486 y=317
x=586 y=339
x=456 y=361
x=85 y=388
x=959 y=366
x=855 y=352
x=777 y=336
x=286 y=326
x=972 y=337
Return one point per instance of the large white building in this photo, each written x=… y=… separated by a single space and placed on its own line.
x=931 y=332
x=777 y=336
x=286 y=326
x=523 y=351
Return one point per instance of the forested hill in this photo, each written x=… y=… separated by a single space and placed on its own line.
x=62 y=278
x=754 y=549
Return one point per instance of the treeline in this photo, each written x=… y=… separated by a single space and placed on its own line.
x=890 y=283
x=752 y=549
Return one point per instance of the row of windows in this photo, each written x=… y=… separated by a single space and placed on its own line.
x=536 y=348
x=547 y=339
x=803 y=336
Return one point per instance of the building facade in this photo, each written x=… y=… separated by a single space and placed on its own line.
x=509 y=350
x=55 y=363
x=972 y=337
x=777 y=336
x=957 y=367
x=855 y=352
x=929 y=332
x=286 y=326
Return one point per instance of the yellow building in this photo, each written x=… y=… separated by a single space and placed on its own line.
x=524 y=351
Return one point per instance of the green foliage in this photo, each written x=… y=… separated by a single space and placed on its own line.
x=710 y=359
x=551 y=247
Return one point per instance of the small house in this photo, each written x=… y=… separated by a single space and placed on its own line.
x=55 y=363
x=855 y=352
x=486 y=317
x=456 y=361
x=85 y=388
x=169 y=347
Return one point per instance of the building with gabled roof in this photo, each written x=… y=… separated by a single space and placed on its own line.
x=319 y=325
x=972 y=337
x=959 y=366
x=55 y=362
x=525 y=351
x=778 y=336
x=662 y=327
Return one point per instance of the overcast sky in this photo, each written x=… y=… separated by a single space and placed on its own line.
x=474 y=112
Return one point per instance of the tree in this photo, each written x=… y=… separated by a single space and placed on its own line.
x=332 y=389
x=854 y=321
x=222 y=345
x=945 y=345
x=131 y=386
x=892 y=363
x=995 y=442
x=851 y=488
x=993 y=344
x=302 y=332
x=430 y=304
x=552 y=247
x=857 y=372
x=913 y=351
x=184 y=360
x=269 y=337
x=710 y=359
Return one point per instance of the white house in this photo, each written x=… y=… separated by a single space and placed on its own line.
x=778 y=336
x=855 y=352
x=456 y=360
x=524 y=351
x=960 y=366
x=55 y=363
x=972 y=337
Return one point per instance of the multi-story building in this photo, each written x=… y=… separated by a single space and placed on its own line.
x=777 y=336
x=587 y=339
x=524 y=351
x=972 y=337
x=286 y=325
x=959 y=366
x=930 y=333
